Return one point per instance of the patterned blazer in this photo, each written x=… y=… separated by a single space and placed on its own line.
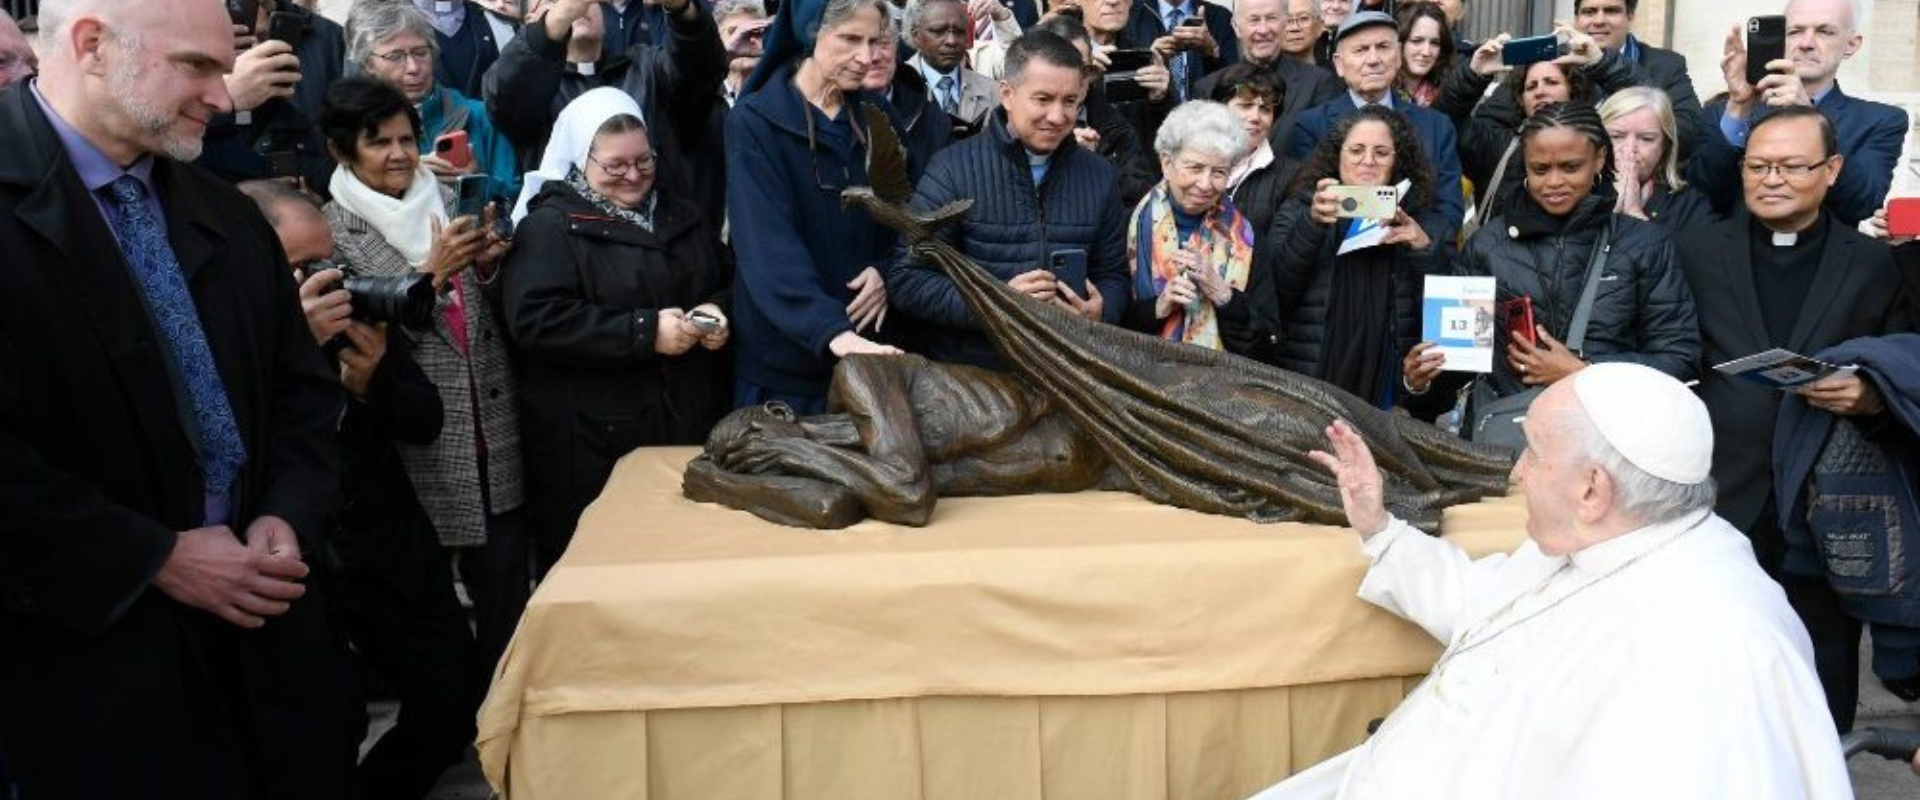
x=479 y=390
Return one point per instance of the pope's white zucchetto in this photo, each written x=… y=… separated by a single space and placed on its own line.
x=1654 y=421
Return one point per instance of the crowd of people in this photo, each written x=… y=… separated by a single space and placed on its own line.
x=512 y=242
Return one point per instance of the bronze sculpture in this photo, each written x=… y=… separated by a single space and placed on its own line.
x=1086 y=406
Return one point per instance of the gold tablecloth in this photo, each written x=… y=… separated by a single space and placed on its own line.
x=1045 y=646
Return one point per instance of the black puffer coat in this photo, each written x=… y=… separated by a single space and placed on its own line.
x=1303 y=262
x=1644 y=311
x=582 y=293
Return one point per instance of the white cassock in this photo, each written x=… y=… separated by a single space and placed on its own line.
x=1659 y=664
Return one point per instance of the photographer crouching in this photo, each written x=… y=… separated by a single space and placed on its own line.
x=389 y=582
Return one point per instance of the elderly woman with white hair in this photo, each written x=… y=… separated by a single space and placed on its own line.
x=1190 y=250
x=615 y=296
x=1647 y=180
x=395 y=43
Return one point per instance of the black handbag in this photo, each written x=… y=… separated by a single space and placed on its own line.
x=1496 y=418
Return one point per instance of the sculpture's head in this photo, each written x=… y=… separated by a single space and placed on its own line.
x=772 y=418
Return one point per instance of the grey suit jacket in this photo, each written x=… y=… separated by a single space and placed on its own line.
x=479 y=389
x=979 y=94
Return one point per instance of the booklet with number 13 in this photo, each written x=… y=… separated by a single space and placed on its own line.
x=1457 y=316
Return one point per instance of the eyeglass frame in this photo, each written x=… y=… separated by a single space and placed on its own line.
x=424 y=54
x=1357 y=153
x=1787 y=172
x=646 y=165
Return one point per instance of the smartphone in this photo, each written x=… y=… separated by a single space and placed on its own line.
x=244 y=12
x=1366 y=202
x=1193 y=22
x=1070 y=11
x=454 y=149
x=286 y=26
x=1069 y=267
x=1129 y=61
x=1903 y=216
x=1766 y=42
x=705 y=322
x=1519 y=314
x=1533 y=49
x=470 y=195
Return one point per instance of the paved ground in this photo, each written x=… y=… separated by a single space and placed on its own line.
x=1874 y=778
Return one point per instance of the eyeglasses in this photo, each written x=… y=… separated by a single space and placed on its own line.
x=620 y=169
x=423 y=55
x=1300 y=20
x=1793 y=172
x=1358 y=154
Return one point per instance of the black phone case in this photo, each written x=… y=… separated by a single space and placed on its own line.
x=1766 y=41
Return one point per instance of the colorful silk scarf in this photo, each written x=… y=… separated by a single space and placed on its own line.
x=1225 y=241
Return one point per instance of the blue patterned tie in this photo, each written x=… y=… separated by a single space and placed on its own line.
x=144 y=241
x=1179 y=65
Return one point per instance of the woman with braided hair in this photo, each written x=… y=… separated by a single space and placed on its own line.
x=1552 y=235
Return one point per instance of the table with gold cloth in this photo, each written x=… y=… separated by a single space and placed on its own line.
x=1092 y=645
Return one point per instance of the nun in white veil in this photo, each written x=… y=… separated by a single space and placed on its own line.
x=616 y=299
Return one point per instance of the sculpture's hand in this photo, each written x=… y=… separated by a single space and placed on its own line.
x=1361 y=491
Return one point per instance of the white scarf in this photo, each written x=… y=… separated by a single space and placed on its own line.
x=1256 y=160
x=572 y=139
x=405 y=222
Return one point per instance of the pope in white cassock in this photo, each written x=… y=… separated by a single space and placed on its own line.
x=1631 y=650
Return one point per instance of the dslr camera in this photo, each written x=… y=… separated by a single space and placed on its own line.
x=406 y=299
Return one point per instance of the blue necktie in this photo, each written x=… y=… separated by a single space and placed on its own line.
x=144 y=241
x=1179 y=66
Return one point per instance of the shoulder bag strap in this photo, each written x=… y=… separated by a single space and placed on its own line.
x=1483 y=205
x=1596 y=264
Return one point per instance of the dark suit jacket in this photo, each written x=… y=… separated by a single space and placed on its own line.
x=110 y=687
x=1856 y=292
x=1304 y=87
x=1871 y=135
x=1436 y=134
x=1144 y=24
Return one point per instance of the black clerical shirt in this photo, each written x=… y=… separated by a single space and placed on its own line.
x=1783 y=275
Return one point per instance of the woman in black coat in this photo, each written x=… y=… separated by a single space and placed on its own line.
x=1258 y=185
x=1348 y=318
x=616 y=300
x=1541 y=248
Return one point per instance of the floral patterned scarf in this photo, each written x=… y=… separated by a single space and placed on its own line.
x=1225 y=241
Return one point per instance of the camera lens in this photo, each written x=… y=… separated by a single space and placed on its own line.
x=406 y=299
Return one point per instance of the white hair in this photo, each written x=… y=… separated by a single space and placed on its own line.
x=57 y=14
x=750 y=8
x=916 y=9
x=1854 y=12
x=1203 y=126
x=374 y=21
x=1639 y=495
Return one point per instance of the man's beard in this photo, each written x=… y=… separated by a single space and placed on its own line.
x=156 y=122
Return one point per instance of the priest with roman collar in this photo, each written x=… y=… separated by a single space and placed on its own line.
x=1786 y=272
x=1631 y=648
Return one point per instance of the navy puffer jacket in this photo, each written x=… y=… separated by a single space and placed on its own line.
x=1011 y=229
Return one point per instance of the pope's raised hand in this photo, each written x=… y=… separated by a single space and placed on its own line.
x=1361 y=492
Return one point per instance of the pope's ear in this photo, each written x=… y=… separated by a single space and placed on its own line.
x=1600 y=496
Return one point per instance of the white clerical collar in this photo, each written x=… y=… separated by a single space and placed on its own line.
x=1785 y=239
x=1615 y=553
x=581 y=67
x=1386 y=100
